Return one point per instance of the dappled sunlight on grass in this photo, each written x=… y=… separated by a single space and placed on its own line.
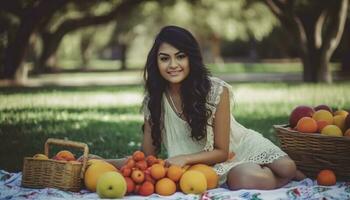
x=71 y=100
x=312 y=94
x=109 y=120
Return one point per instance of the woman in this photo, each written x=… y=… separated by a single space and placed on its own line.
x=188 y=111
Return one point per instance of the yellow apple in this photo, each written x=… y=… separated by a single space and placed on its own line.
x=40 y=156
x=339 y=120
x=94 y=172
x=111 y=185
x=332 y=130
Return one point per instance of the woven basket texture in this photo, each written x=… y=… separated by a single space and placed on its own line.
x=313 y=152
x=64 y=175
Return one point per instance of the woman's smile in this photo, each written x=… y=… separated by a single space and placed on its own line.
x=173 y=64
x=175 y=72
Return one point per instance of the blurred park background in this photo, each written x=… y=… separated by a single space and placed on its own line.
x=72 y=69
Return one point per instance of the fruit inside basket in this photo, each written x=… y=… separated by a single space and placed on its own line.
x=314 y=152
x=61 y=172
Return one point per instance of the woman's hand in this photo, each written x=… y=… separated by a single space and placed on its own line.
x=180 y=160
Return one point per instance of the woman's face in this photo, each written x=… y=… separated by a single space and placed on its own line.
x=172 y=63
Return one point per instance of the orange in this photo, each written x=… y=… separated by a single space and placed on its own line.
x=130 y=163
x=326 y=177
x=149 y=178
x=125 y=171
x=158 y=171
x=130 y=185
x=141 y=164
x=175 y=173
x=138 y=155
x=193 y=182
x=307 y=125
x=64 y=155
x=321 y=124
x=151 y=160
x=161 y=161
x=165 y=187
x=209 y=173
x=347 y=133
x=146 y=189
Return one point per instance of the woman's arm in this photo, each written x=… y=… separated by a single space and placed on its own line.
x=118 y=163
x=221 y=131
x=147 y=146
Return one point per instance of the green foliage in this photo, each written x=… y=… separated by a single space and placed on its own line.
x=228 y=20
x=109 y=121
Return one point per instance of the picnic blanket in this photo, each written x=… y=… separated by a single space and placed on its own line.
x=307 y=189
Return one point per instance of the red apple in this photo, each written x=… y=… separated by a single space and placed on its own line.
x=298 y=113
x=323 y=107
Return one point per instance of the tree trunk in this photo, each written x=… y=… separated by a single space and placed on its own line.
x=54 y=39
x=318 y=44
x=345 y=57
x=123 y=56
x=15 y=52
x=324 y=73
x=215 y=44
x=47 y=60
x=30 y=21
x=85 y=49
x=336 y=19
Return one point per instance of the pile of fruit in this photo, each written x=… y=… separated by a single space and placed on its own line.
x=63 y=155
x=323 y=120
x=320 y=119
x=141 y=175
x=144 y=176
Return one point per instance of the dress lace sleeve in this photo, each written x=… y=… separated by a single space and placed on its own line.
x=215 y=93
x=217 y=86
x=145 y=110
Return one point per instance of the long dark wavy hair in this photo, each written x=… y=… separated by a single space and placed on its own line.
x=194 y=88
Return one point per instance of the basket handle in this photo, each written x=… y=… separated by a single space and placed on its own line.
x=284 y=127
x=68 y=143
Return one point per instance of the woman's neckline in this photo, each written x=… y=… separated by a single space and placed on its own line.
x=172 y=109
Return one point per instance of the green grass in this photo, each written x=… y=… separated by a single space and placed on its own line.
x=108 y=119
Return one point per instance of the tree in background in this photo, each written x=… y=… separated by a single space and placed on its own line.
x=214 y=21
x=317 y=26
x=28 y=16
x=54 y=38
x=37 y=15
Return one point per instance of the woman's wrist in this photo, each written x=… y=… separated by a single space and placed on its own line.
x=187 y=159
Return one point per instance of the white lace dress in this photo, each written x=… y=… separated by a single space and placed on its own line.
x=248 y=145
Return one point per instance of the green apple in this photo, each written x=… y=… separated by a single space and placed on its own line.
x=111 y=185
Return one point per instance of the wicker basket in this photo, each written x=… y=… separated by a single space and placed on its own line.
x=313 y=152
x=64 y=175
